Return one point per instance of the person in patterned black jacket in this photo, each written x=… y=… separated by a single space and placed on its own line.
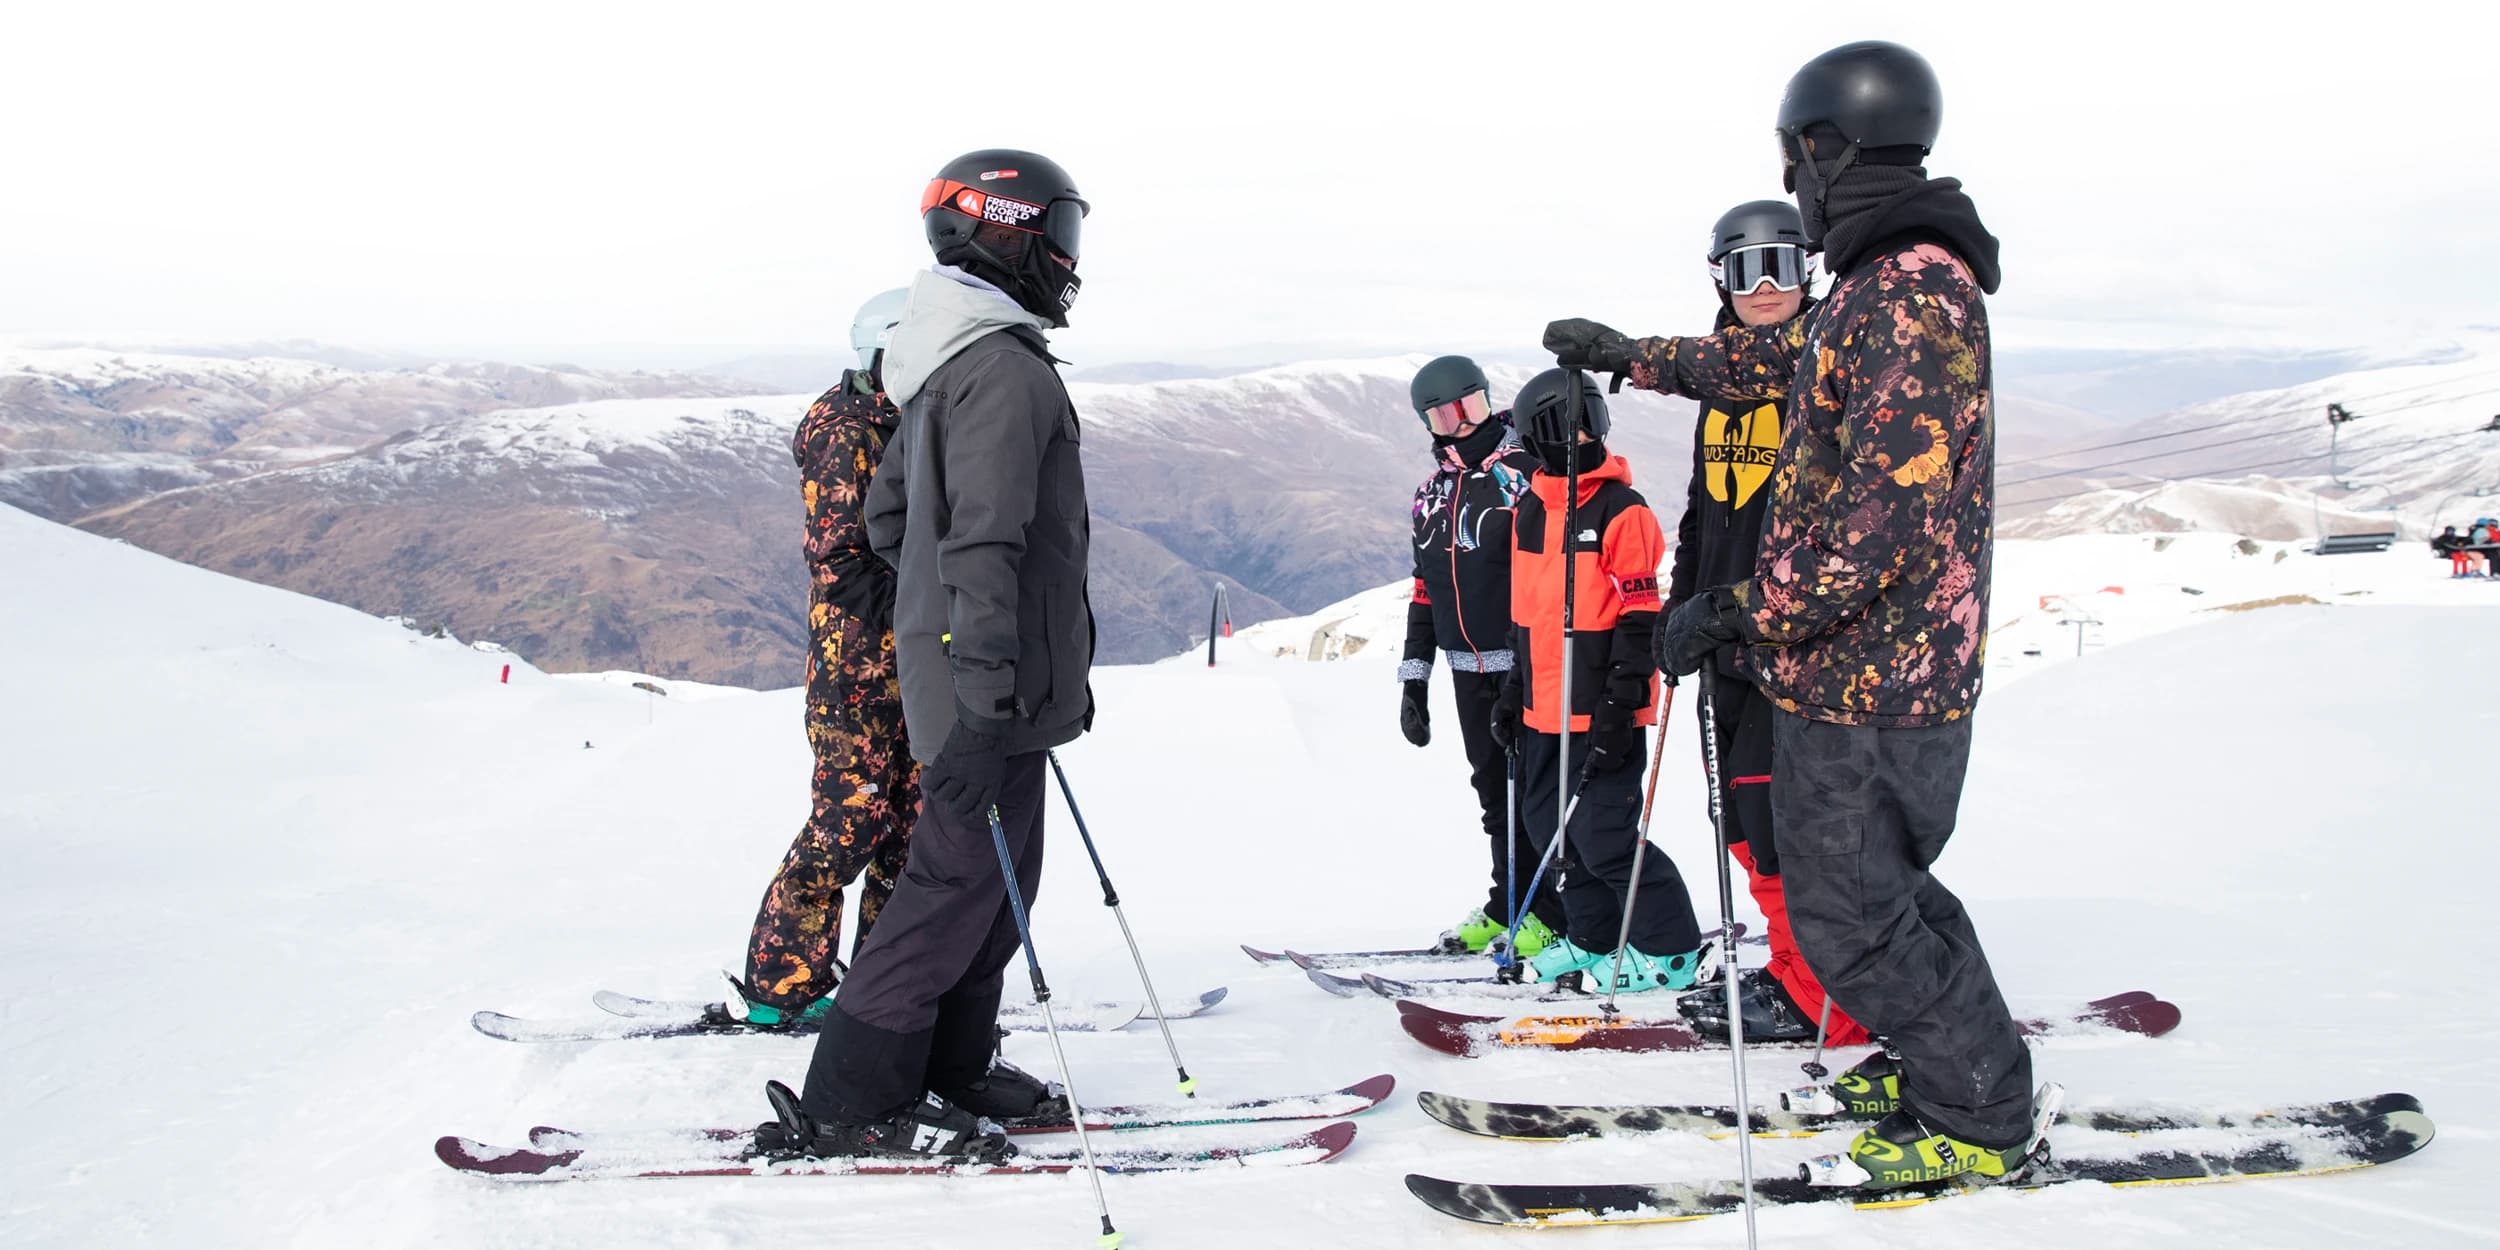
x=1461 y=611
x=1866 y=612
x=866 y=785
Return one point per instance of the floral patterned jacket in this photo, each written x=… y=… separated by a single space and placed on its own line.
x=1868 y=603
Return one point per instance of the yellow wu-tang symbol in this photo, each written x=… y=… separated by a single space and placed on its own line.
x=1737 y=452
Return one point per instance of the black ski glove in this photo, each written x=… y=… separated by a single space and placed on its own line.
x=1579 y=343
x=1703 y=624
x=1614 y=741
x=965 y=776
x=1414 y=718
x=1506 y=709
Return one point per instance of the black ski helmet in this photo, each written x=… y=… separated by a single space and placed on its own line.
x=1754 y=223
x=1876 y=94
x=1014 y=215
x=1543 y=414
x=1445 y=380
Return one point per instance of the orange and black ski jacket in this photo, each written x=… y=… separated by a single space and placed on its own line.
x=1617 y=547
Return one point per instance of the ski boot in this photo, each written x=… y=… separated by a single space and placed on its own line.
x=1005 y=1092
x=1644 y=972
x=1534 y=937
x=930 y=1131
x=745 y=1008
x=1869 y=1091
x=1562 y=959
x=1901 y=1152
x=1770 y=1014
x=1472 y=935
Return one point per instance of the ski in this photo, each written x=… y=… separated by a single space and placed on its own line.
x=2335 y=1147
x=1527 y=1121
x=1349 y=959
x=1335 y=1104
x=1447 y=952
x=1009 y=1014
x=1073 y=1018
x=1455 y=1033
x=701 y=1153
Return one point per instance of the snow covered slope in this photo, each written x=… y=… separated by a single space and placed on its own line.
x=2111 y=588
x=2422 y=440
x=266 y=854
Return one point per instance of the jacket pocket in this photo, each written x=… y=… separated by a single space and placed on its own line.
x=1069 y=642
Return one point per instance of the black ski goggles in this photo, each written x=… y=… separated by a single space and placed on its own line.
x=1743 y=271
x=1061 y=223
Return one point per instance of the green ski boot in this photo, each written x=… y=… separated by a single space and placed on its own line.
x=1534 y=937
x=1474 y=933
x=1901 y=1152
x=1869 y=1091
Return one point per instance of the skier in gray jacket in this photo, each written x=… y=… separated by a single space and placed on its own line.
x=980 y=506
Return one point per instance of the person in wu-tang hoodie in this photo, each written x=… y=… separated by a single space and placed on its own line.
x=980 y=506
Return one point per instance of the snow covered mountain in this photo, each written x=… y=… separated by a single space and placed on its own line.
x=241 y=956
x=661 y=535
x=84 y=430
x=2421 y=450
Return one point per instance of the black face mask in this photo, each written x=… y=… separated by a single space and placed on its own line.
x=1557 y=460
x=1474 y=445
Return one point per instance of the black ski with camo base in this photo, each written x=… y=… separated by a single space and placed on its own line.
x=1534 y=1121
x=2275 y=1148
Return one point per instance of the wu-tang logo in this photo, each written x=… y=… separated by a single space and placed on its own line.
x=1737 y=452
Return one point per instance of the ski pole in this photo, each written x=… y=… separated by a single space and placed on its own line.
x=1815 y=1070
x=1640 y=849
x=1574 y=413
x=1110 y=1238
x=1111 y=899
x=1510 y=937
x=1727 y=948
x=1505 y=957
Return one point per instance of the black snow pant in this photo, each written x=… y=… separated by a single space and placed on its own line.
x=1862 y=815
x=1489 y=771
x=920 y=1008
x=1605 y=835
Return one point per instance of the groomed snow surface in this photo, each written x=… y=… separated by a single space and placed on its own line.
x=265 y=855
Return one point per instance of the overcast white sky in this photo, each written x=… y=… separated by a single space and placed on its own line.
x=1269 y=179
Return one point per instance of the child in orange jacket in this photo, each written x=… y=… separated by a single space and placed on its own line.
x=1615 y=541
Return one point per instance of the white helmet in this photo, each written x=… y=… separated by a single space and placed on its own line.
x=874 y=323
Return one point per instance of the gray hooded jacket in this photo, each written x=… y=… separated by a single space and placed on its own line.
x=979 y=505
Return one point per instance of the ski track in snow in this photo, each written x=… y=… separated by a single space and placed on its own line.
x=265 y=855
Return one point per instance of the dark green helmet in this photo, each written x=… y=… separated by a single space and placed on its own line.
x=1445 y=380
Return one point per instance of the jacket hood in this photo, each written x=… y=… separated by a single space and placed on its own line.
x=948 y=312
x=1549 y=486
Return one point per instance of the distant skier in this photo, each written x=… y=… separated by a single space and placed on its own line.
x=1870 y=595
x=1763 y=276
x=865 y=782
x=980 y=507
x=2484 y=539
x=2456 y=547
x=1461 y=611
x=1614 y=694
